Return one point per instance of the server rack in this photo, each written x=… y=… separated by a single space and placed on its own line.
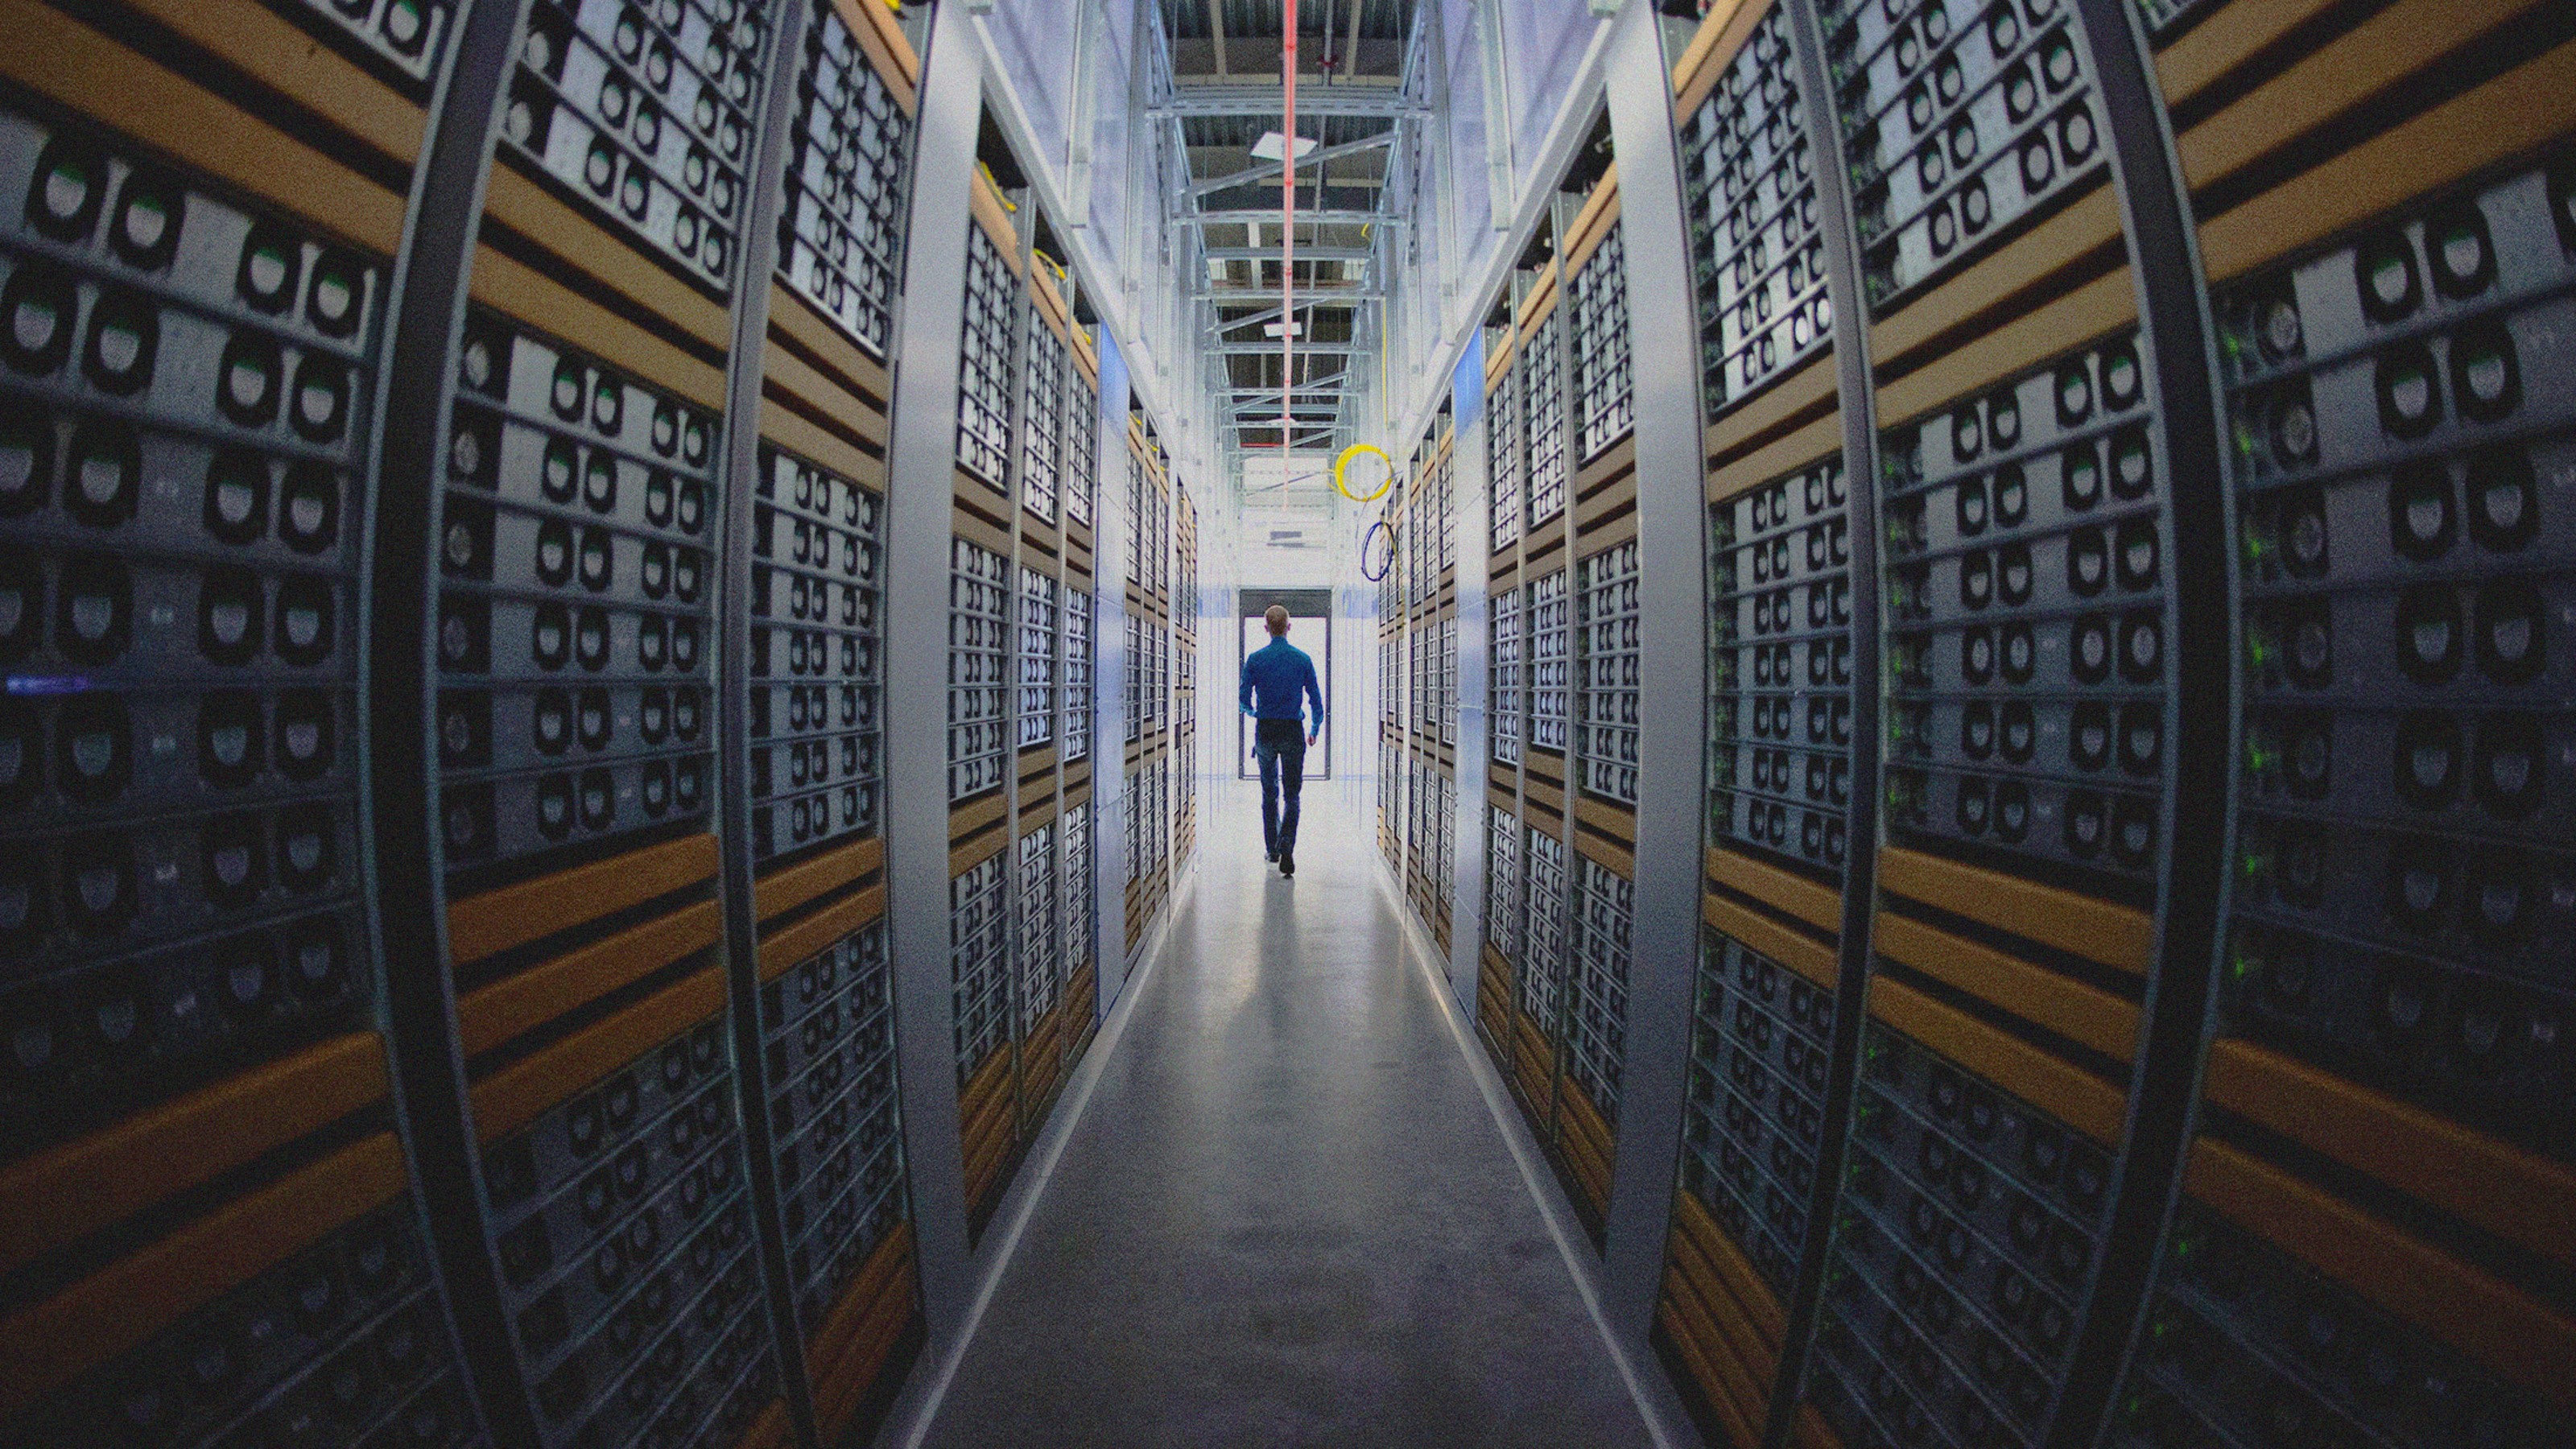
x=1394 y=683
x=1602 y=698
x=1150 y=733
x=1394 y=678
x=978 y=751
x=1563 y=676
x=1020 y=684
x=1418 y=682
x=822 y=98
x=1533 y=402
x=1183 y=681
x=1081 y=1008
x=193 y=396
x=2363 y=263
x=1786 y=755
x=614 y=459
x=1422 y=699
x=1509 y=668
x=825 y=1007
x=582 y=444
x=2057 y=1079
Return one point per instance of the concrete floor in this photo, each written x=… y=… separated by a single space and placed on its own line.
x=1286 y=1216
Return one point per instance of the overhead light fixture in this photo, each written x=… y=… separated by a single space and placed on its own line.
x=1268 y=148
x=1283 y=329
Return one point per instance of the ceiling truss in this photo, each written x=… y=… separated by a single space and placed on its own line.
x=1363 y=101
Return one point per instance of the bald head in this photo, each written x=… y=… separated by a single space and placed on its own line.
x=1275 y=619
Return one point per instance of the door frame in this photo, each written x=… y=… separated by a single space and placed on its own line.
x=1252 y=603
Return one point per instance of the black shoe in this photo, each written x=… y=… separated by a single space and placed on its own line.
x=1271 y=855
x=1287 y=862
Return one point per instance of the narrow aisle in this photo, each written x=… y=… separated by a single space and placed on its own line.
x=1287 y=1216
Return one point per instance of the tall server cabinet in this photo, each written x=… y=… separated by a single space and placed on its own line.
x=2127 y=1008
x=657 y=802
x=1396 y=678
x=449 y=996
x=1185 y=677
x=213 y=1227
x=1431 y=625
x=1562 y=678
x=816 y=782
x=1155 y=838
x=2381 y=1153
x=1020 y=634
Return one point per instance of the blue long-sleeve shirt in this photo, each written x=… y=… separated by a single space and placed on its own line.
x=1273 y=678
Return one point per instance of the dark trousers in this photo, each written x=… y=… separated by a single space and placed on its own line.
x=1280 y=746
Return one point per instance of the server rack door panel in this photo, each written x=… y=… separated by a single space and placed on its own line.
x=320 y=1279
x=191 y=401
x=182 y=802
x=1002 y=830
x=2336 y=477
x=828 y=1029
x=1568 y=375
x=2027 y=92
x=633 y=1187
x=575 y=663
x=825 y=1003
x=2371 y=355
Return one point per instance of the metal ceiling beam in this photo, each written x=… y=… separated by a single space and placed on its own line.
x=1330 y=294
x=1308 y=391
x=1321 y=384
x=1317 y=157
x=1261 y=318
x=1271 y=254
x=1270 y=314
x=1241 y=100
x=1304 y=349
x=1304 y=216
x=1296 y=441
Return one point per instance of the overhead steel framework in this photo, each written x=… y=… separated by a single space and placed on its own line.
x=1363 y=106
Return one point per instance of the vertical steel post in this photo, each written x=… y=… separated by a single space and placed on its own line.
x=2201 y=716
x=1499 y=188
x=755 y=261
x=400 y=821
x=1113 y=543
x=1856 y=384
x=1082 y=125
x=1467 y=460
x=1672 y=655
x=921 y=465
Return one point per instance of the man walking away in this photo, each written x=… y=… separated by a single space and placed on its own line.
x=1276 y=680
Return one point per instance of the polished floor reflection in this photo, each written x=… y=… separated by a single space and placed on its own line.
x=1287 y=1216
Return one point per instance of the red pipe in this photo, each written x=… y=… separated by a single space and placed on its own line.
x=1288 y=234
